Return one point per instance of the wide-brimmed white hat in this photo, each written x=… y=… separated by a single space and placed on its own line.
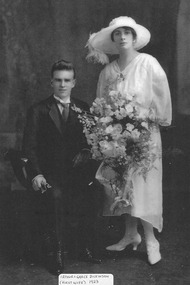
x=100 y=43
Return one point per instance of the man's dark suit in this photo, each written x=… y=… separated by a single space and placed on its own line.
x=50 y=146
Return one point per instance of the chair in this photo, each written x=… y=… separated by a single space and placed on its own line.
x=19 y=164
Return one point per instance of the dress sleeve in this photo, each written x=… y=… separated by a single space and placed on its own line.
x=161 y=98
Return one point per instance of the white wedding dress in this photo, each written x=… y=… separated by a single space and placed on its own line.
x=145 y=78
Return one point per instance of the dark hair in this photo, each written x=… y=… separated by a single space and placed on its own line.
x=128 y=28
x=62 y=65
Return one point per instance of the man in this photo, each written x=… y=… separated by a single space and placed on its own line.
x=57 y=154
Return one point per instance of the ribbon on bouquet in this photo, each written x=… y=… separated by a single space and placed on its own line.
x=122 y=191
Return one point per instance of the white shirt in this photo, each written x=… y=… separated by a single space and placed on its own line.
x=62 y=101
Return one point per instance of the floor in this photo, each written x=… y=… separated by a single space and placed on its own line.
x=128 y=267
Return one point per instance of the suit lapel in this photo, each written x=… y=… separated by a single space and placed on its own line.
x=72 y=114
x=54 y=114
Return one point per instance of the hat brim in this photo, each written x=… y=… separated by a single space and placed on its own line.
x=102 y=40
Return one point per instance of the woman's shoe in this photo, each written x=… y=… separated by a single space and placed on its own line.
x=124 y=242
x=153 y=251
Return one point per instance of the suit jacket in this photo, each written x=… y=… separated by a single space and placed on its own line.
x=51 y=145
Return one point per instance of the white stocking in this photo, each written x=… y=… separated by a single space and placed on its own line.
x=148 y=231
x=130 y=226
x=131 y=235
x=152 y=245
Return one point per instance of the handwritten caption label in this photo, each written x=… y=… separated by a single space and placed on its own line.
x=86 y=279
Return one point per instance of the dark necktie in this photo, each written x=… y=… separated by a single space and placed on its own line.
x=65 y=112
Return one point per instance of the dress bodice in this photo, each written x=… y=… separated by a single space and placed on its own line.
x=142 y=77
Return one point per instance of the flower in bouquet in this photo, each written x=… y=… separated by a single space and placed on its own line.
x=119 y=133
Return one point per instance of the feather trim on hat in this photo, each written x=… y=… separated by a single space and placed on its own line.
x=95 y=55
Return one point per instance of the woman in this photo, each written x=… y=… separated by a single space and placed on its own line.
x=139 y=74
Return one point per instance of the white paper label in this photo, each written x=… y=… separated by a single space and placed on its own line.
x=86 y=279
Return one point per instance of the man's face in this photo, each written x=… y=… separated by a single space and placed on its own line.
x=62 y=83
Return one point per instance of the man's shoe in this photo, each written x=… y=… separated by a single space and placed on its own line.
x=59 y=262
x=87 y=256
x=53 y=254
x=55 y=263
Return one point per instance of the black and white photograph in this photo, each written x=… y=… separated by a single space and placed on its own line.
x=95 y=142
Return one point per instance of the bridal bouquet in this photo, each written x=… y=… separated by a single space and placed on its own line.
x=119 y=133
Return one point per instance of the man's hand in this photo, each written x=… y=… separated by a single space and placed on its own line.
x=39 y=183
x=81 y=157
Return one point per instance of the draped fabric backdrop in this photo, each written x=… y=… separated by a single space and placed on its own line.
x=35 y=33
x=183 y=58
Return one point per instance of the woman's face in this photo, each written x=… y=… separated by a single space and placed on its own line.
x=123 y=38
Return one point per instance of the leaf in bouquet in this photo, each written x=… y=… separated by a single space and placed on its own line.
x=119 y=203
